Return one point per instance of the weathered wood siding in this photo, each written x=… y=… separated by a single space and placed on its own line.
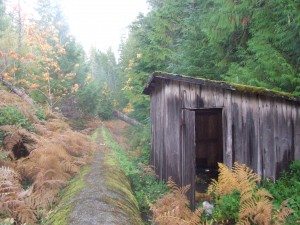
x=260 y=131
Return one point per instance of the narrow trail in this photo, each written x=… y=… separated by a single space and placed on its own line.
x=106 y=197
x=91 y=206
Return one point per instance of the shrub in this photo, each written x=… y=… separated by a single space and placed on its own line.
x=13 y=116
x=227 y=208
x=140 y=139
x=40 y=113
x=287 y=187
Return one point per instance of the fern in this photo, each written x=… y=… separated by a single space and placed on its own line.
x=255 y=203
x=280 y=216
x=11 y=197
x=53 y=158
x=70 y=167
x=173 y=208
x=221 y=187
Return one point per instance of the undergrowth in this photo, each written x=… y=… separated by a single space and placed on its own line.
x=237 y=200
x=145 y=185
x=287 y=187
x=12 y=116
x=173 y=208
x=30 y=183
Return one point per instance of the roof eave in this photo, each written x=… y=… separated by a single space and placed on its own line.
x=218 y=84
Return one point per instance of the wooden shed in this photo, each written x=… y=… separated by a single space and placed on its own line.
x=197 y=123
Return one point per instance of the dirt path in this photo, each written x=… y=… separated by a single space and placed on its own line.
x=106 y=197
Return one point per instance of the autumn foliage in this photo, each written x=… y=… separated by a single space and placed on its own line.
x=35 y=64
x=173 y=208
x=30 y=183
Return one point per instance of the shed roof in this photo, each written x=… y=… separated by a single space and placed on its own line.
x=219 y=84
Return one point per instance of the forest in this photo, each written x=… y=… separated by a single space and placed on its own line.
x=247 y=42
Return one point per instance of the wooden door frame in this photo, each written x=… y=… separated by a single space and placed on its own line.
x=185 y=150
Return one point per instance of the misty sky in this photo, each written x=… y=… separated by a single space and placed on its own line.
x=98 y=23
x=101 y=23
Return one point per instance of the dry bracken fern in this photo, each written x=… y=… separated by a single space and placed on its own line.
x=11 y=197
x=54 y=154
x=220 y=187
x=173 y=208
x=255 y=203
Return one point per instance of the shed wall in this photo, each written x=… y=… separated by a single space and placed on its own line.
x=262 y=132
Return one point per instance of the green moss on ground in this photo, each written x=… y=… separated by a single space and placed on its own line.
x=61 y=213
x=117 y=182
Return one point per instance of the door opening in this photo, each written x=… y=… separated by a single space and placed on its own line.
x=208 y=146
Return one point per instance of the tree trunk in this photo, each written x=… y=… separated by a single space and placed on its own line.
x=17 y=91
x=126 y=118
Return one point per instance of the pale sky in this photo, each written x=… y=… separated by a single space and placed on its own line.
x=101 y=23
x=97 y=23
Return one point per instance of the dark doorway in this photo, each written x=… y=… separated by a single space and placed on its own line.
x=209 y=145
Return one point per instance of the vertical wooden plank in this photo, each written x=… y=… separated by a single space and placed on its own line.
x=293 y=124
x=153 y=116
x=260 y=136
x=297 y=131
x=172 y=129
x=244 y=132
x=220 y=97
x=195 y=94
x=227 y=134
x=162 y=118
x=159 y=129
x=182 y=91
x=280 y=142
x=237 y=128
x=268 y=137
x=284 y=145
x=254 y=138
x=199 y=103
x=251 y=132
x=290 y=133
x=189 y=154
x=277 y=133
x=166 y=135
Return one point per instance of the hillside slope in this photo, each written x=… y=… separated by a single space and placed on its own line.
x=39 y=153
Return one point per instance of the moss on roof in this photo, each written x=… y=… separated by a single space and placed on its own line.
x=222 y=84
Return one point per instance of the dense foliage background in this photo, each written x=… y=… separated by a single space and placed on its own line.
x=254 y=42
x=250 y=42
